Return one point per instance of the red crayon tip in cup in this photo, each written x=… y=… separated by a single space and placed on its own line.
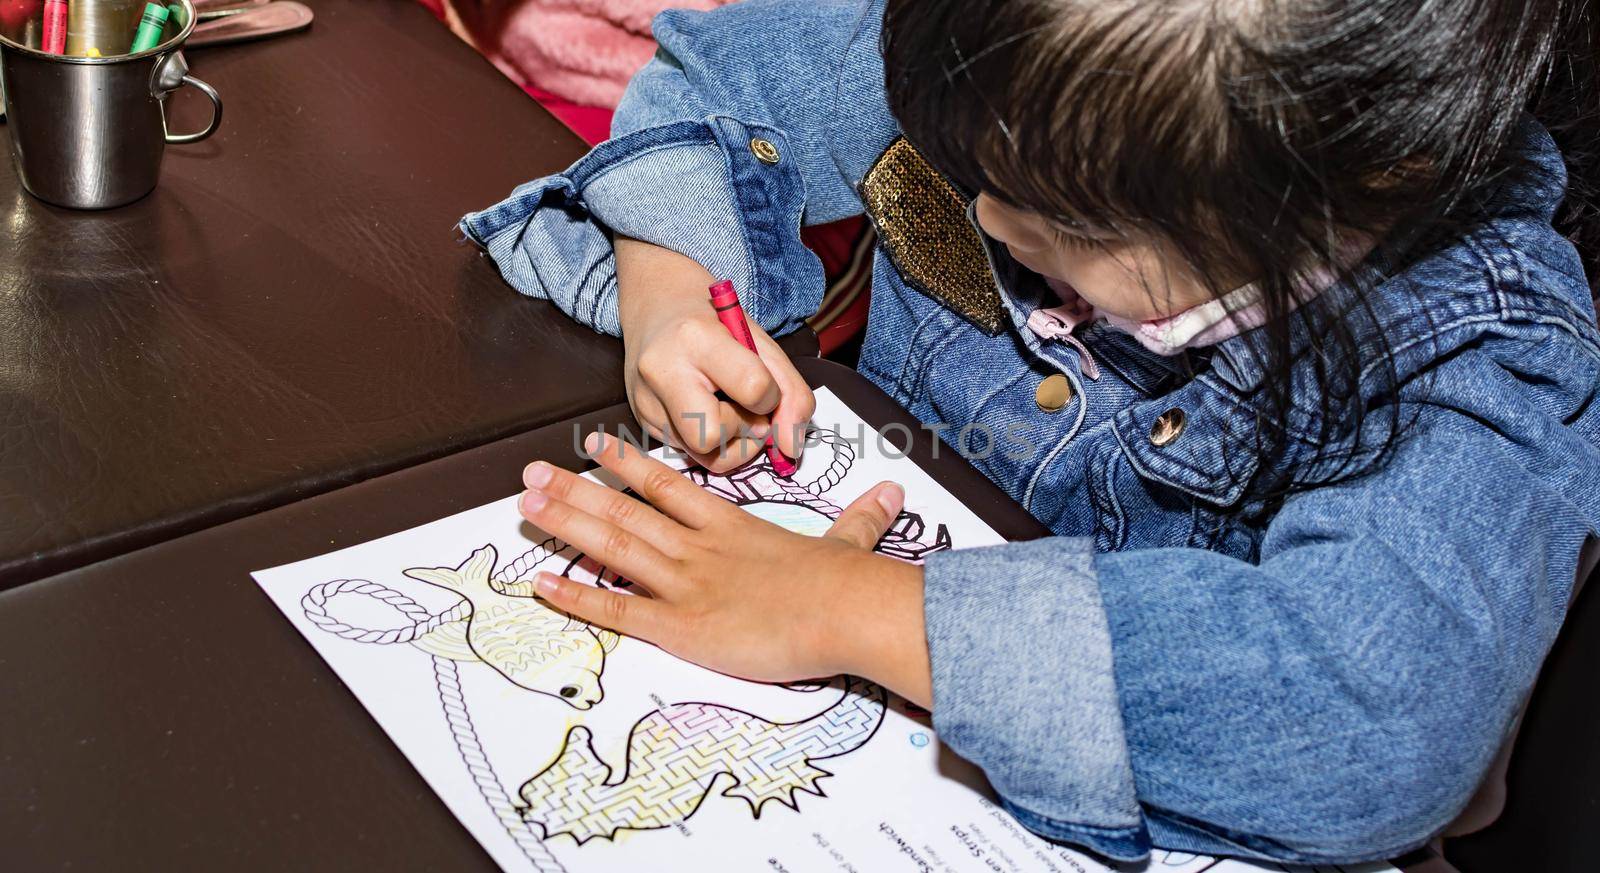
x=726 y=301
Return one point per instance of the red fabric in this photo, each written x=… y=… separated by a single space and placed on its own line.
x=593 y=123
x=834 y=243
x=850 y=322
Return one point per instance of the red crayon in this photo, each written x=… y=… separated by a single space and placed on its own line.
x=731 y=314
x=54 y=38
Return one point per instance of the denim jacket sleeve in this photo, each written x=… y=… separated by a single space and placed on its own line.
x=683 y=169
x=1336 y=701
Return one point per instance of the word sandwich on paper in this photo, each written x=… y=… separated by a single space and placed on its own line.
x=564 y=747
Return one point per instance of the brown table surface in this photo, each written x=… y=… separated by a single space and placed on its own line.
x=160 y=713
x=292 y=309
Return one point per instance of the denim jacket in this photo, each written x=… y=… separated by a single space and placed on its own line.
x=1323 y=679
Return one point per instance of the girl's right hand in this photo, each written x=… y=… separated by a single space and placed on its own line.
x=678 y=356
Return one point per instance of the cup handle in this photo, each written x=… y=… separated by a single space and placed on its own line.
x=216 y=113
x=172 y=73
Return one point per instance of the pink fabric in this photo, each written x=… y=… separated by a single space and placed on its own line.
x=1204 y=325
x=1209 y=323
x=583 y=51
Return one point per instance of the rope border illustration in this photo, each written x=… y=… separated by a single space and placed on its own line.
x=447 y=679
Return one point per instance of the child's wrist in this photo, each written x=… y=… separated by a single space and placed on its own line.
x=651 y=279
x=883 y=636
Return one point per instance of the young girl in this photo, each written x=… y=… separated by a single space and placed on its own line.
x=1271 y=288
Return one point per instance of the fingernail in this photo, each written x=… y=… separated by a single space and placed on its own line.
x=533 y=501
x=760 y=429
x=545 y=584
x=538 y=474
x=891 y=497
x=594 y=442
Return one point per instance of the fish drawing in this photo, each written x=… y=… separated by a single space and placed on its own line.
x=534 y=646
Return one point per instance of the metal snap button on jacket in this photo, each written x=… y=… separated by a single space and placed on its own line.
x=764 y=150
x=1168 y=426
x=1053 y=393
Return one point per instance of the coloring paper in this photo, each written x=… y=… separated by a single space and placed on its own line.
x=563 y=747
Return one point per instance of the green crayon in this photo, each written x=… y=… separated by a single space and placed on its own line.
x=150 y=25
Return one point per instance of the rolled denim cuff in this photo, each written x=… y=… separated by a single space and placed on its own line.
x=1023 y=687
x=677 y=198
x=693 y=187
x=545 y=245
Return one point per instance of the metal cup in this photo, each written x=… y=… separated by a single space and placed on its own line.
x=89 y=133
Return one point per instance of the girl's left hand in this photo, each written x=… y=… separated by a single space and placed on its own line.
x=731 y=591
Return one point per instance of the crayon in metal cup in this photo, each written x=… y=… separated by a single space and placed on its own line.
x=54 y=29
x=151 y=24
x=90 y=132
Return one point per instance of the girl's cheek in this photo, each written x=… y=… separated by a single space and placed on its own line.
x=1109 y=283
x=1132 y=282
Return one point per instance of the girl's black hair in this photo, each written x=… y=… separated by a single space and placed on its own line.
x=1258 y=139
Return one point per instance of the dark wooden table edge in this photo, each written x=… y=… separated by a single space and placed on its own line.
x=41 y=565
x=920 y=445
